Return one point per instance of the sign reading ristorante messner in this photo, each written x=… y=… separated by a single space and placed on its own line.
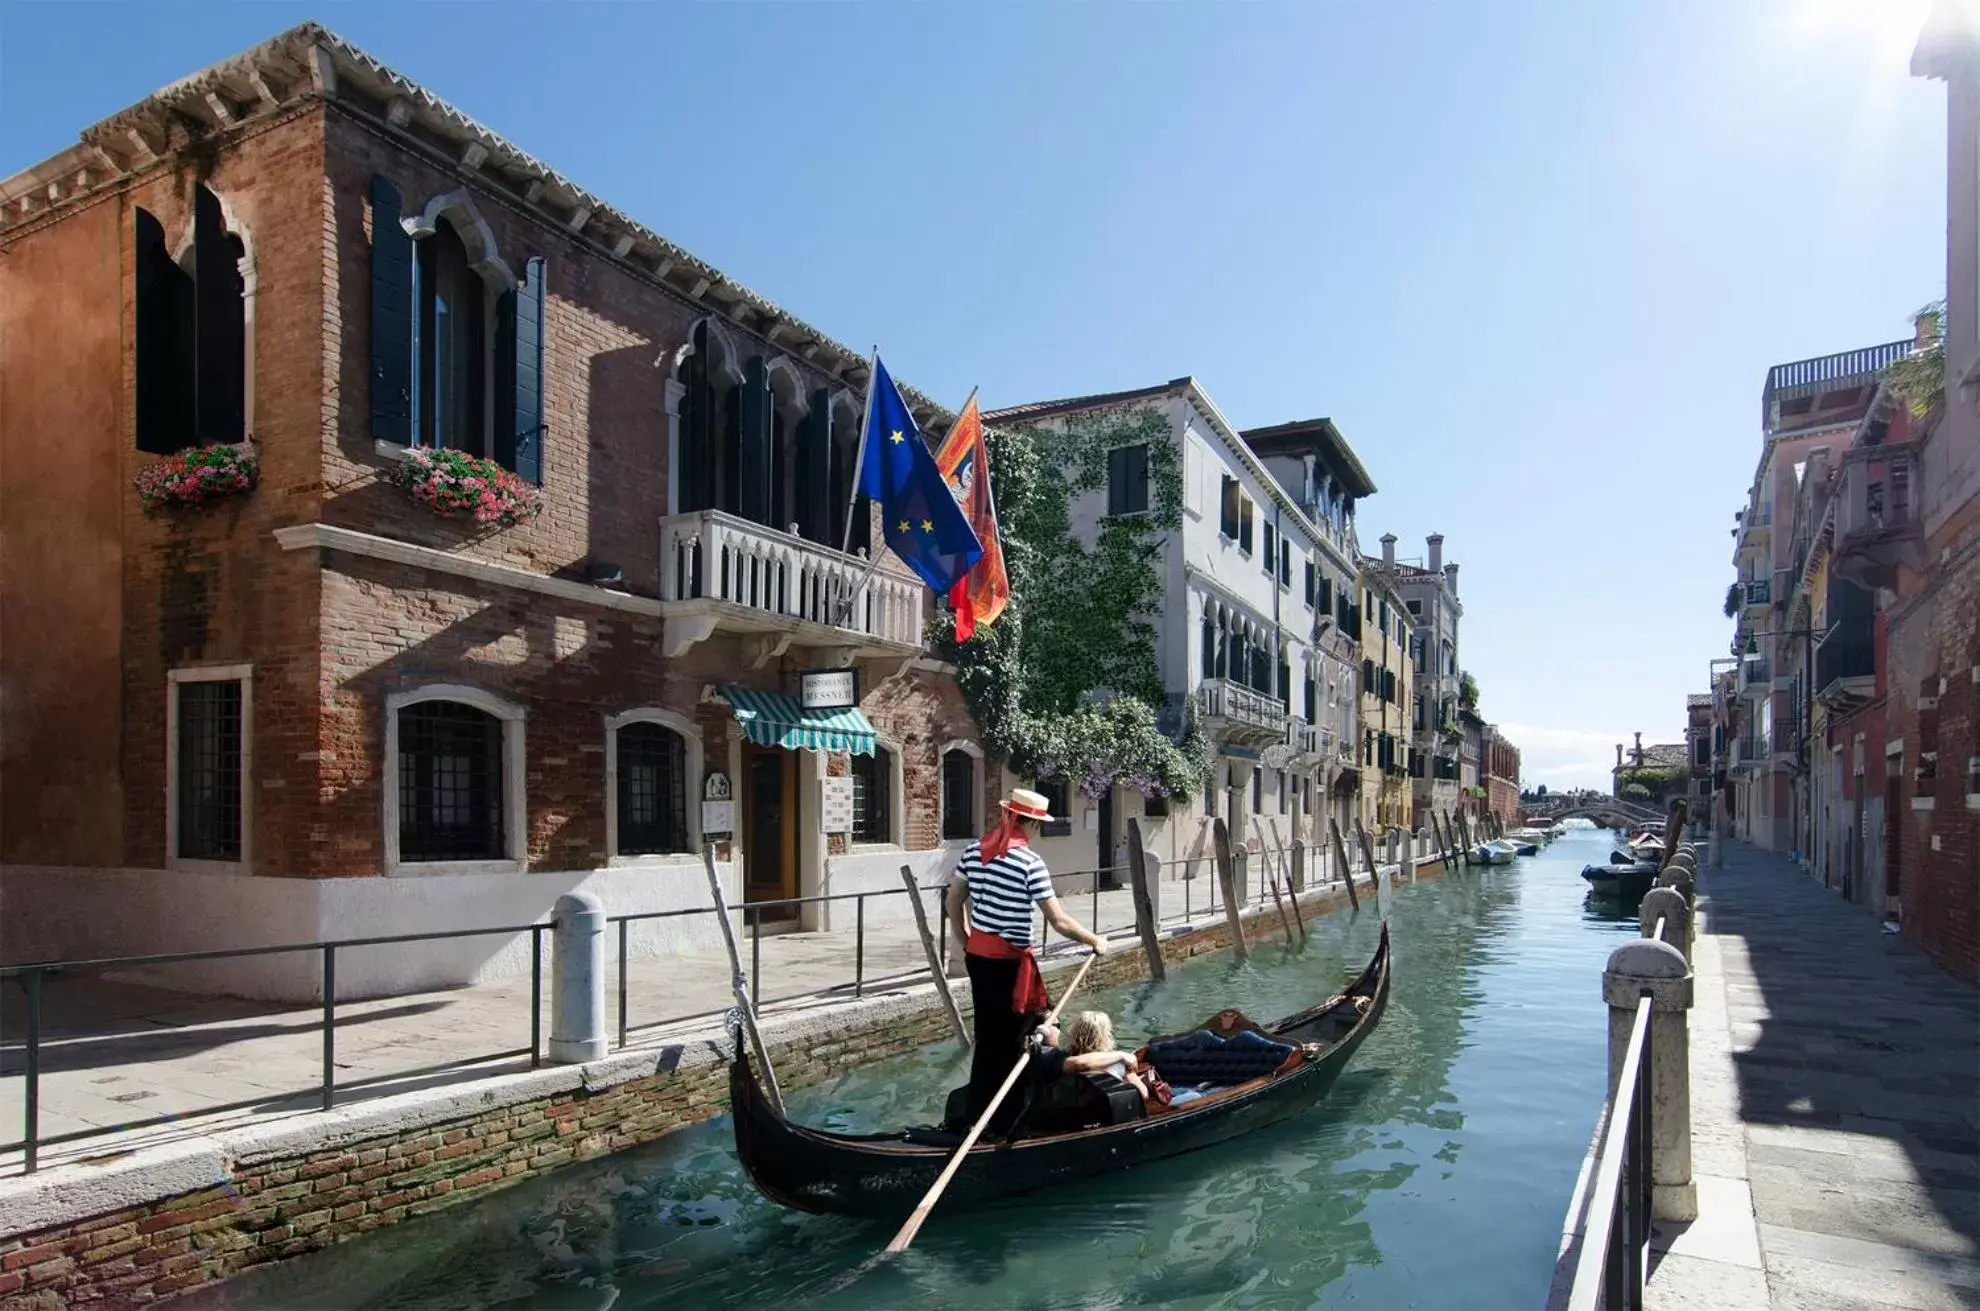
x=828 y=689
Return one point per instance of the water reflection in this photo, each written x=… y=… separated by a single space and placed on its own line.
x=1434 y=1173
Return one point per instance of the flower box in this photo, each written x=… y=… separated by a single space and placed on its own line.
x=198 y=476
x=462 y=486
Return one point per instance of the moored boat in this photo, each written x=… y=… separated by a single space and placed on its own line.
x=884 y=1175
x=1492 y=853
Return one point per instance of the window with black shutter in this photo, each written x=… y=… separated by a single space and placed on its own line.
x=190 y=333
x=208 y=784
x=1271 y=552
x=1310 y=580
x=1257 y=790
x=1285 y=793
x=1285 y=684
x=1228 y=513
x=1127 y=480
x=1312 y=701
x=1285 y=562
x=1209 y=647
x=958 y=795
x=652 y=801
x=450 y=783
x=873 y=799
x=1246 y=511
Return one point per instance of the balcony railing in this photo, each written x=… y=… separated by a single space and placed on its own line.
x=753 y=578
x=1760 y=591
x=1845 y=662
x=1755 y=676
x=1878 y=514
x=1236 y=710
x=1823 y=373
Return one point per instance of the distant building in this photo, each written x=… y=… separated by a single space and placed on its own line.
x=1387 y=676
x=1429 y=594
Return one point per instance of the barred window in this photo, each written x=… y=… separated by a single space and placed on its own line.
x=209 y=770
x=652 y=790
x=450 y=782
x=958 y=795
x=873 y=799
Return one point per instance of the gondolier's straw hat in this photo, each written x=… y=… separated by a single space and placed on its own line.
x=1026 y=804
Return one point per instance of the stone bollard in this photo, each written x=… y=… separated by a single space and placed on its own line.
x=1658 y=969
x=1669 y=905
x=577 y=979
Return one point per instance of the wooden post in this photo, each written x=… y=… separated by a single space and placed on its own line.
x=1144 y=905
x=1673 y=823
x=1341 y=859
x=1284 y=922
x=739 y=982
x=1368 y=854
x=935 y=970
x=1221 y=835
x=1443 y=843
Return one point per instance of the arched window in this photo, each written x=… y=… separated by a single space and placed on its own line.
x=192 y=331
x=1209 y=645
x=652 y=814
x=711 y=423
x=958 y=795
x=455 y=347
x=450 y=783
x=873 y=796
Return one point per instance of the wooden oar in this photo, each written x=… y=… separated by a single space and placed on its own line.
x=915 y=1221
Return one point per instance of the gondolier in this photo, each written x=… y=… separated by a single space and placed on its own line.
x=998 y=880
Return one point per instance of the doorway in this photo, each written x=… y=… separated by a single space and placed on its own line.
x=769 y=799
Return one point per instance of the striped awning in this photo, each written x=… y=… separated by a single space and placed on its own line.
x=771 y=719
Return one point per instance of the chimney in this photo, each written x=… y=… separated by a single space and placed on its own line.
x=1436 y=541
x=1388 y=548
x=1618 y=755
x=1639 y=749
x=1450 y=577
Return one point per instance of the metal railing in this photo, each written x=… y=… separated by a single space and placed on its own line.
x=33 y=974
x=1102 y=887
x=1614 y=1233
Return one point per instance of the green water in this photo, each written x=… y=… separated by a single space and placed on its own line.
x=1434 y=1175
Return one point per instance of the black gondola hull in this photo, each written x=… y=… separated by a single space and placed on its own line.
x=884 y=1176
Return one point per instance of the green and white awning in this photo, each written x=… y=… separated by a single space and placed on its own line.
x=771 y=719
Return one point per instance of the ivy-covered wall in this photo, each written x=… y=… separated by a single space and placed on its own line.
x=1065 y=683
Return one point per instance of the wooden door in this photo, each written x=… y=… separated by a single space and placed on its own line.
x=769 y=820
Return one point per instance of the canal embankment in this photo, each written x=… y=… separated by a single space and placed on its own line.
x=143 y=1222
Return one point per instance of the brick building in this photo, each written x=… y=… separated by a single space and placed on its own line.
x=1499 y=761
x=387 y=720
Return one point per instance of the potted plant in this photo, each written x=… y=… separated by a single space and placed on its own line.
x=199 y=475
x=462 y=486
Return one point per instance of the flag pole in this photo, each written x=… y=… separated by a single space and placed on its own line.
x=859 y=460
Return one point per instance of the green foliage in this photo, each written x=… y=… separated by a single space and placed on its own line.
x=1467 y=690
x=1651 y=783
x=1065 y=683
x=1920 y=377
x=1732 y=600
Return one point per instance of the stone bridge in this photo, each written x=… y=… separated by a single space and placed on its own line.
x=1610 y=812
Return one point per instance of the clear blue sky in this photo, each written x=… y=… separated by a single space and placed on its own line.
x=1534 y=258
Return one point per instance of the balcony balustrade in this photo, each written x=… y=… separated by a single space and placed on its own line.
x=1234 y=712
x=719 y=572
x=1878 y=519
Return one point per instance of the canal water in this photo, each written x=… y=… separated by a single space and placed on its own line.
x=1434 y=1175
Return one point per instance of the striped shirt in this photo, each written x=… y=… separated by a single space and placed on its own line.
x=1002 y=891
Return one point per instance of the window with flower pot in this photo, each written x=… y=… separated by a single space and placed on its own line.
x=456 y=338
x=192 y=333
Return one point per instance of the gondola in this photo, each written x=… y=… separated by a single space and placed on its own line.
x=1626 y=881
x=883 y=1176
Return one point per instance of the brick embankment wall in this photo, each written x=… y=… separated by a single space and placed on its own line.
x=171 y=1218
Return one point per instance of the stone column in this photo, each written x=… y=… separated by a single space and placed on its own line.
x=1660 y=970
x=577 y=979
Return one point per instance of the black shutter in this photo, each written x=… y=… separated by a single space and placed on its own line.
x=813 y=493
x=519 y=376
x=755 y=459
x=692 y=481
x=1228 y=522
x=1117 y=490
x=165 y=367
x=219 y=324
x=394 y=339
x=1139 y=463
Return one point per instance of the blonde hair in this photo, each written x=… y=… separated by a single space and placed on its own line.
x=1088 y=1031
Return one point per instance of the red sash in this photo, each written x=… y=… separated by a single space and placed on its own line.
x=1029 y=994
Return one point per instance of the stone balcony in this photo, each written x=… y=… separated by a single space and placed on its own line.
x=1235 y=713
x=1879 y=527
x=720 y=573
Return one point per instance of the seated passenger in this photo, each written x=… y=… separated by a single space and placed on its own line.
x=1087 y=1045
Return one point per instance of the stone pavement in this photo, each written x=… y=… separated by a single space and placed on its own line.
x=117 y=1051
x=1835 y=1077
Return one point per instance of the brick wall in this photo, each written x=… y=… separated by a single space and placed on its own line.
x=1933 y=648
x=289 y=1204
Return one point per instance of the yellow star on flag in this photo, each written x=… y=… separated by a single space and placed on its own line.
x=927 y=526
x=903 y=527
x=897 y=437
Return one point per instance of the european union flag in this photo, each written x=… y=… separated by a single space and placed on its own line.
x=924 y=525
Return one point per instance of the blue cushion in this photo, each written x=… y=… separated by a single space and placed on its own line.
x=1204 y=1057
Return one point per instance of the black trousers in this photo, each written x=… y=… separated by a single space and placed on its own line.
x=1000 y=1035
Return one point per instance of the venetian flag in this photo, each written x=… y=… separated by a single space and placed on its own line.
x=985 y=590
